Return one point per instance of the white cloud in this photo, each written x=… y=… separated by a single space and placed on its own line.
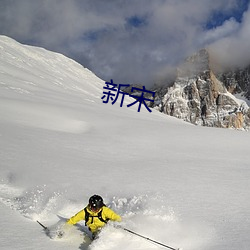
x=233 y=50
x=228 y=28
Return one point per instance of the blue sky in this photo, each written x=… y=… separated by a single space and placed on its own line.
x=218 y=17
x=131 y=41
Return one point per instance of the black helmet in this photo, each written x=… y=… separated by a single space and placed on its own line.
x=96 y=202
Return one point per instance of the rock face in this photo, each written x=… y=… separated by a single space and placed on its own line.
x=237 y=81
x=203 y=98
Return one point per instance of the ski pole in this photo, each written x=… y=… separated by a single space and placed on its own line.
x=45 y=228
x=146 y=238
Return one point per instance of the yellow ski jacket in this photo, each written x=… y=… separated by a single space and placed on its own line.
x=94 y=223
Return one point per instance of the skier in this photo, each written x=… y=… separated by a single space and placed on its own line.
x=95 y=214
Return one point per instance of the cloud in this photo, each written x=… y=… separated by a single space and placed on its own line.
x=232 y=50
x=228 y=28
x=129 y=41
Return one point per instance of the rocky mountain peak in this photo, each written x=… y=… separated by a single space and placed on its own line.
x=199 y=96
x=196 y=64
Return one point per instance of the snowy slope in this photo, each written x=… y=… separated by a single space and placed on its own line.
x=176 y=183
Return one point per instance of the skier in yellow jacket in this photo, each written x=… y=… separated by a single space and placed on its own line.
x=96 y=215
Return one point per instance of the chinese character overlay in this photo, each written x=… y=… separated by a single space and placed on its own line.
x=141 y=99
x=112 y=91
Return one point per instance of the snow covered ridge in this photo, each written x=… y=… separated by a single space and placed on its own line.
x=36 y=75
x=199 y=97
x=35 y=68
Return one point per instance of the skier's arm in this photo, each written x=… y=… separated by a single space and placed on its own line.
x=110 y=214
x=77 y=217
